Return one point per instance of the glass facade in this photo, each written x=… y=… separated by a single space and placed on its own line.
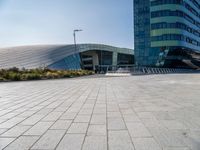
x=105 y=58
x=91 y=55
x=71 y=62
x=124 y=59
x=142 y=31
x=174 y=25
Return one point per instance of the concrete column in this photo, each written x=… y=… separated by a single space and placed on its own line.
x=95 y=60
x=114 y=58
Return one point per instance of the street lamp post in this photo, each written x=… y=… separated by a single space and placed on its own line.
x=74 y=34
x=101 y=63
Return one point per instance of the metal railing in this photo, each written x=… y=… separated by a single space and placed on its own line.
x=135 y=70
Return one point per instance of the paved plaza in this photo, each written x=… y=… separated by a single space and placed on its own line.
x=152 y=112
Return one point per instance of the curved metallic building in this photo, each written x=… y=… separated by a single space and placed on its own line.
x=86 y=56
x=167 y=33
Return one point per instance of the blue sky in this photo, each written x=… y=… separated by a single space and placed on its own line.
x=30 y=22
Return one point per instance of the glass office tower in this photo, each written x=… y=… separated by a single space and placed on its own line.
x=167 y=33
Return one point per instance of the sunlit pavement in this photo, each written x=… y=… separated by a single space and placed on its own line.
x=151 y=112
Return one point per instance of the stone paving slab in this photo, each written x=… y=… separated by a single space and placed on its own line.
x=153 y=112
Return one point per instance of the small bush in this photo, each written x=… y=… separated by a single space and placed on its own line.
x=2 y=79
x=32 y=76
x=14 y=76
x=52 y=75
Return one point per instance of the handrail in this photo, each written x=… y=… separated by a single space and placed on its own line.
x=142 y=70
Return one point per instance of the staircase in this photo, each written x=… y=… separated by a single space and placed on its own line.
x=189 y=63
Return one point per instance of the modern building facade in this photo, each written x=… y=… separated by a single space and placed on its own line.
x=65 y=57
x=167 y=33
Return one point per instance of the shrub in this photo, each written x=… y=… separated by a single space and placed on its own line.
x=32 y=76
x=2 y=79
x=52 y=75
x=15 y=74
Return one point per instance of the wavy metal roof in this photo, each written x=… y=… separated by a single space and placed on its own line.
x=45 y=55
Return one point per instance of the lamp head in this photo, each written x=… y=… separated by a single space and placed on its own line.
x=78 y=30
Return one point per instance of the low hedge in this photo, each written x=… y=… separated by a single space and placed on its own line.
x=15 y=74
